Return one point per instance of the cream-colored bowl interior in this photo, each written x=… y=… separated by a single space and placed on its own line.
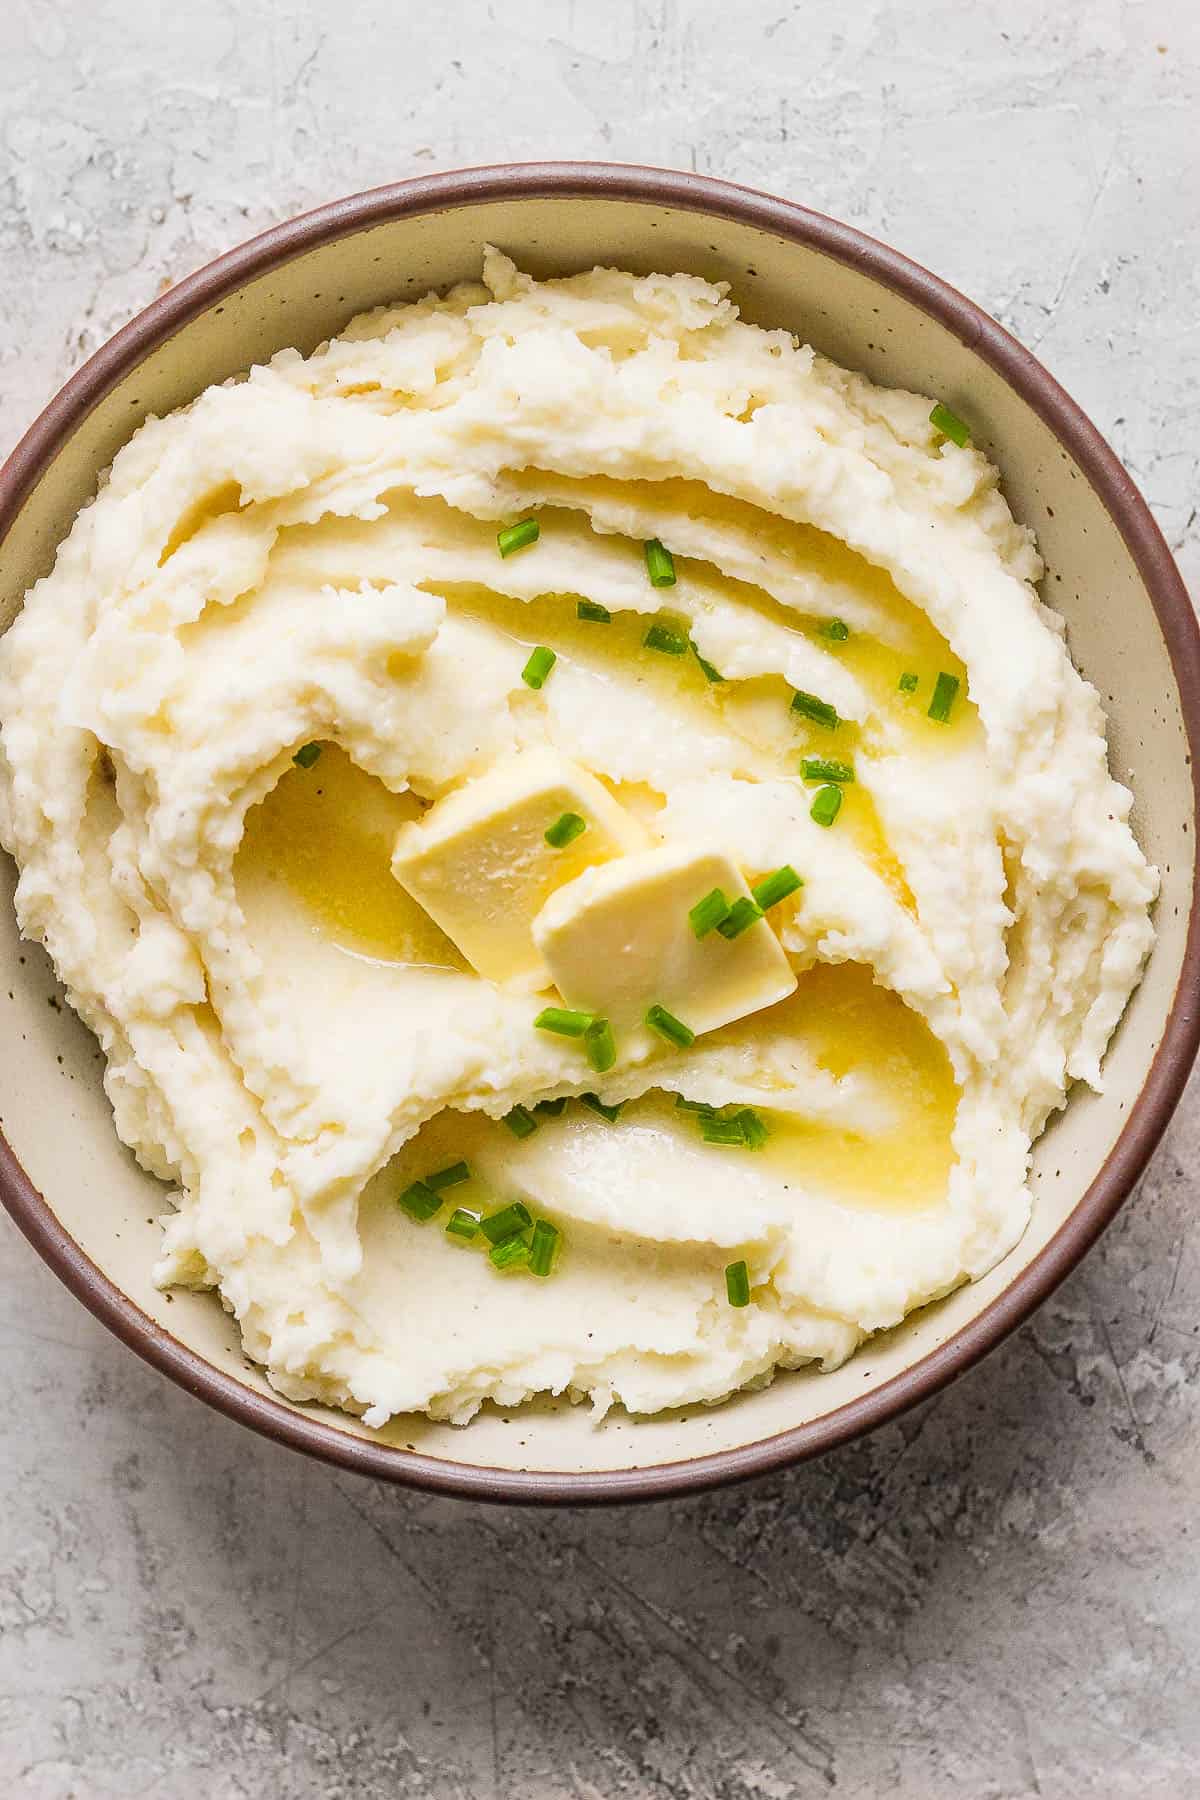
x=52 y=1106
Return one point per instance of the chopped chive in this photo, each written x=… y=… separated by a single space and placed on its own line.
x=592 y=609
x=307 y=755
x=596 y=1105
x=510 y=1253
x=540 y=663
x=950 y=425
x=744 y=1127
x=695 y=1106
x=451 y=1177
x=721 y=1131
x=420 y=1202
x=708 y=912
x=835 y=629
x=463 y=1224
x=542 y=1247
x=669 y=1028
x=737 y=1284
x=908 y=682
x=565 y=830
x=563 y=1022
x=516 y=537
x=660 y=564
x=754 y=1132
x=508 y=1222
x=819 y=711
x=824 y=768
x=710 y=674
x=666 y=639
x=827 y=804
x=551 y=1108
x=520 y=1122
x=741 y=915
x=599 y=1045
x=776 y=887
x=944 y=690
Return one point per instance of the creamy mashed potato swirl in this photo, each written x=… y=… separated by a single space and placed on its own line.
x=309 y=555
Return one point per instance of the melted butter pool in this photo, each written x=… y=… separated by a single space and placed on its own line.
x=322 y=840
x=860 y=819
x=854 y=1025
x=851 y=1025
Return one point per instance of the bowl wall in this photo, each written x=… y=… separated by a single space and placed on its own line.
x=867 y=309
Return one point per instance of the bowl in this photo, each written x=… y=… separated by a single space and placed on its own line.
x=77 y=1194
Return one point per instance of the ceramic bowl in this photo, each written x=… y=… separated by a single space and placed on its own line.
x=77 y=1194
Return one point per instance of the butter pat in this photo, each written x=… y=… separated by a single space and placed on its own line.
x=618 y=940
x=479 y=863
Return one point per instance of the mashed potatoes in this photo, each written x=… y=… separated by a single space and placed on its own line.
x=283 y=648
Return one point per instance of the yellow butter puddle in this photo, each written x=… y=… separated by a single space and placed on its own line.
x=323 y=838
x=848 y=1025
x=226 y=498
x=842 y=573
x=878 y=666
x=860 y=820
x=552 y=619
x=852 y=1025
x=758 y=710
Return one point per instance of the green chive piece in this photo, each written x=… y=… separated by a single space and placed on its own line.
x=710 y=674
x=776 y=887
x=824 y=768
x=551 y=1109
x=516 y=537
x=600 y=1046
x=307 y=755
x=950 y=425
x=671 y=1029
x=463 y=1224
x=701 y=1107
x=565 y=830
x=592 y=609
x=660 y=564
x=508 y=1222
x=708 y=912
x=520 y=1122
x=908 y=682
x=666 y=639
x=563 y=1022
x=451 y=1177
x=741 y=916
x=836 y=630
x=542 y=1247
x=944 y=690
x=721 y=1131
x=511 y=1253
x=819 y=711
x=540 y=663
x=737 y=1284
x=420 y=1202
x=754 y=1132
x=827 y=804
x=596 y=1105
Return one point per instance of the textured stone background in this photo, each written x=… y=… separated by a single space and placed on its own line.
x=995 y=1598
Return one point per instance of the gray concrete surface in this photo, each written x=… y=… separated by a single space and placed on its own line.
x=997 y=1598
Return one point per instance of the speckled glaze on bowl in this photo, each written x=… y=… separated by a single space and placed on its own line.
x=78 y=1195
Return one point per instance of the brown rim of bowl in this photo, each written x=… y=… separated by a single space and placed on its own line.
x=1172 y=1061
